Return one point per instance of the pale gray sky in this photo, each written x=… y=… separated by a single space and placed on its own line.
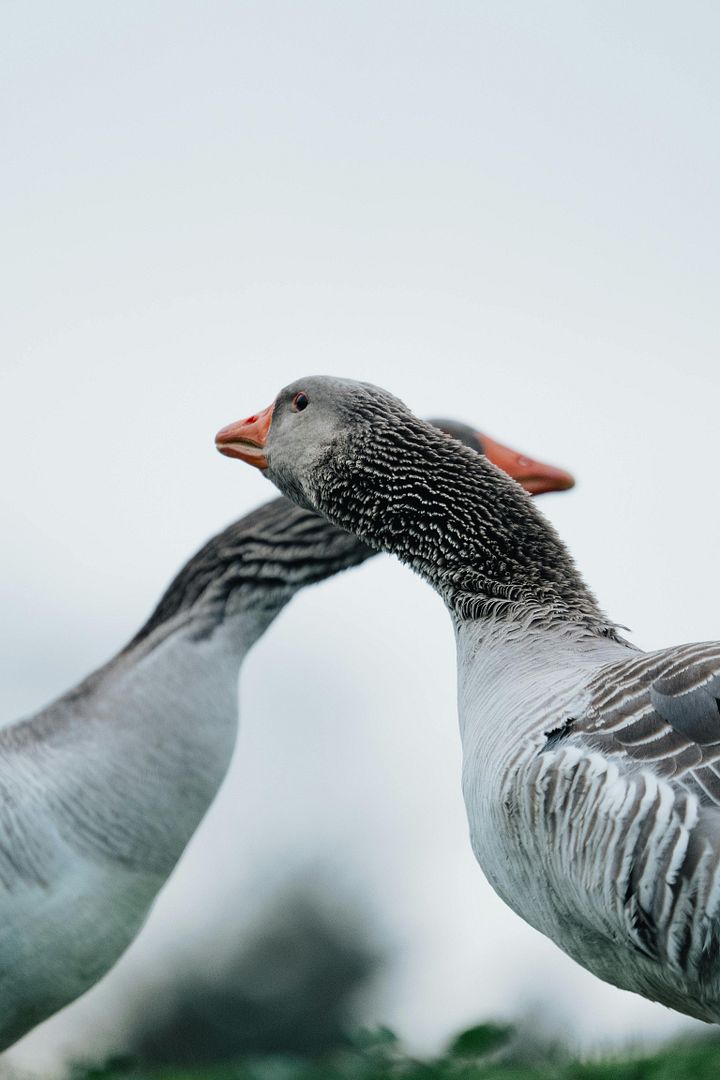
x=501 y=211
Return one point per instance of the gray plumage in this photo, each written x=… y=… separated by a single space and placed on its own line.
x=664 y=708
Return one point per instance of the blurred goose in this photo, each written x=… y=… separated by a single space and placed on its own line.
x=591 y=770
x=102 y=790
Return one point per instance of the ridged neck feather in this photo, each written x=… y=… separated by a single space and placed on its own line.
x=257 y=564
x=463 y=525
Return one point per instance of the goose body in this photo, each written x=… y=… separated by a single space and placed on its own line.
x=101 y=791
x=591 y=770
x=593 y=798
x=100 y=794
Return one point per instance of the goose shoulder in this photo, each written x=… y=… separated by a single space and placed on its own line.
x=658 y=710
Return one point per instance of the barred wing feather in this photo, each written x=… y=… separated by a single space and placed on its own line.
x=661 y=710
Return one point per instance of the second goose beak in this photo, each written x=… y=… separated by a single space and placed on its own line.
x=246 y=439
x=535 y=476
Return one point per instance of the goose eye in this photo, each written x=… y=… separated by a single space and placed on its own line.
x=300 y=402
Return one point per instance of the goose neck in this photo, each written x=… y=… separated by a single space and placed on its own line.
x=463 y=525
x=251 y=570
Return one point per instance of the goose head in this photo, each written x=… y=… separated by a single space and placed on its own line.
x=312 y=417
x=356 y=454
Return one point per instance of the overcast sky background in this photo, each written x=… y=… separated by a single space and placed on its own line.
x=502 y=211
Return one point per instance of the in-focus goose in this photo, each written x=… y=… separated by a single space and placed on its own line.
x=101 y=791
x=591 y=770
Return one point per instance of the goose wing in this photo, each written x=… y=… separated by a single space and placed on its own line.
x=660 y=710
x=624 y=827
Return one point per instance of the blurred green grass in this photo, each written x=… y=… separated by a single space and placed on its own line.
x=486 y=1052
x=282 y=1005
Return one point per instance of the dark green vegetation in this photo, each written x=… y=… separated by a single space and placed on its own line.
x=283 y=1000
x=486 y=1052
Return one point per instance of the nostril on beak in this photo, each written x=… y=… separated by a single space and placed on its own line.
x=250 y=420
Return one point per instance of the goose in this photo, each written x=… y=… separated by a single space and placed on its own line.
x=101 y=791
x=591 y=769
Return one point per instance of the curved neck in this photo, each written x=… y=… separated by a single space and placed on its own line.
x=464 y=526
x=255 y=566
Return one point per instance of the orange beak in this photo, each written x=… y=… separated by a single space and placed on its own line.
x=534 y=476
x=246 y=439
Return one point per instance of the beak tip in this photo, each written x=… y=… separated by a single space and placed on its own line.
x=565 y=482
